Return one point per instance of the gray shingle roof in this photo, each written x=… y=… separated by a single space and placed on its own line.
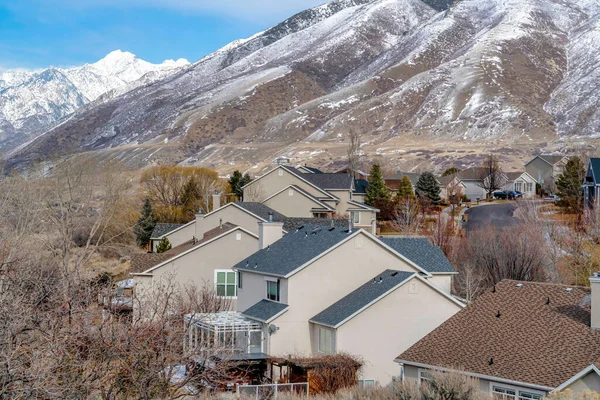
x=163 y=229
x=362 y=297
x=325 y=181
x=413 y=176
x=265 y=310
x=261 y=210
x=289 y=223
x=421 y=252
x=313 y=170
x=293 y=250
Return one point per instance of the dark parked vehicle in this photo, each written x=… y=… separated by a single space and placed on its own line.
x=514 y=195
x=501 y=195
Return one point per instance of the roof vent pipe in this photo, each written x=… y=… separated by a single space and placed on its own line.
x=270 y=216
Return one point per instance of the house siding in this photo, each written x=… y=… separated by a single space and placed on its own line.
x=473 y=191
x=324 y=282
x=399 y=320
x=297 y=205
x=272 y=183
x=233 y=215
x=198 y=267
x=180 y=236
x=589 y=382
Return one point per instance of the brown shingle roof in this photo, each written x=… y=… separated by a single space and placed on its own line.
x=143 y=262
x=531 y=342
x=473 y=173
x=513 y=175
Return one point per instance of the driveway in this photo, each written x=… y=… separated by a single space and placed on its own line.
x=498 y=215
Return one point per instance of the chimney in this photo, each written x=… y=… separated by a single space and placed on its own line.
x=216 y=198
x=595 y=304
x=199 y=226
x=269 y=232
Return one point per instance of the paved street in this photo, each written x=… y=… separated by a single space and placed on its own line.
x=499 y=215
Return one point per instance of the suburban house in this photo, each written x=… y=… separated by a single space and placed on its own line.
x=293 y=193
x=591 y=184
x=205 y=260
x=472 y=179
x=392 y=182
x=522 y=340
x=546 y=168
x=521 y=182
x=451 y=183
x=322 y=290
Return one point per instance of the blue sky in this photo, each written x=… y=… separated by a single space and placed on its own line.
x=39 y=33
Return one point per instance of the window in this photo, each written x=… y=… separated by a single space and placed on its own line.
x=424 y=376
x=356 y=217
x=226 y=283
x=529 y=187
x=325 y=341
x=511 y=393
x=366 y=383
x=273 y=290
x=519 y=186
x=239 y=280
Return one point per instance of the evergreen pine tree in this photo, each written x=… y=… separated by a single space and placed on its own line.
x=428 y=186
x=376 y=190
x=237 y=181
x=406 y=188
x=569 y=183
x=163 y=245
x=145 y=225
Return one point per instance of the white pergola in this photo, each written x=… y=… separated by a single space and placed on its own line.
x=228 y=331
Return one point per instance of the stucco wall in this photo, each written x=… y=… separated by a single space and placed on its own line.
x=396 y=322
x=540 y=170
x=272 y=182
x=589 y=382
x=198 y=266
x=442 y=281
x=296 y=205
x=325 y=282
x=473 y=191
x=178 y=237
x=231 y=214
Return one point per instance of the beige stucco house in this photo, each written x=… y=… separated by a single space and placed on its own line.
x=546 y=168
x=294 y=193
x=522 y=340
x=521 y=182
x=449 y=184
x=328 y=290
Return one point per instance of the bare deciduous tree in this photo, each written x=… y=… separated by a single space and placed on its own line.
x=491 y=177
x=410 y=219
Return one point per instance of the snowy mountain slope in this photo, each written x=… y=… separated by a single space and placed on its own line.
x=31 y=102
x=486 y=75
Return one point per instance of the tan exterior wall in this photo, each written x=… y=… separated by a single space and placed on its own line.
x=442 y=282
x=589 y=382
x=178 y=237
x=540 y=170
x=254 y=289
x=520 y=184
x=272 y=182
x=233 y=215
x=397 y=321
x=198 y=267
x=297 y=205
x=323 y=283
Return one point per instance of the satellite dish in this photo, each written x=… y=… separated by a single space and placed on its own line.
x=273 y=328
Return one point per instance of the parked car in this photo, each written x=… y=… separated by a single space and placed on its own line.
x=552 y=198
x=514 y=195
x=501 y=195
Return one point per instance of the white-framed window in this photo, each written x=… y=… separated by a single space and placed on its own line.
x=519 y=186
x=356 y=217
x=529 y=187
x=226 y=283
x=239 y=280
x=273 y=290
x=508 y=392
x=424 y=376
x=325 y=341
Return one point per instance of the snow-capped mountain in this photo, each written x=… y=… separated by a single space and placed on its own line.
x=424 y=81
x=33 y=101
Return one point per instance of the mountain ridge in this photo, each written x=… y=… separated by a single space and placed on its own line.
x=428 y=84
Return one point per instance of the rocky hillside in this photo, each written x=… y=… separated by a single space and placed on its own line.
x=426 y=83
x=32 y=102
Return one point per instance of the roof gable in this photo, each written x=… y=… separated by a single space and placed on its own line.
x=421 y=252
x=325 y=181
x=532 y=340
x=161 y=229
x=294 y=172
x=366 y=295
x=319 y=203
x=265 y=311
